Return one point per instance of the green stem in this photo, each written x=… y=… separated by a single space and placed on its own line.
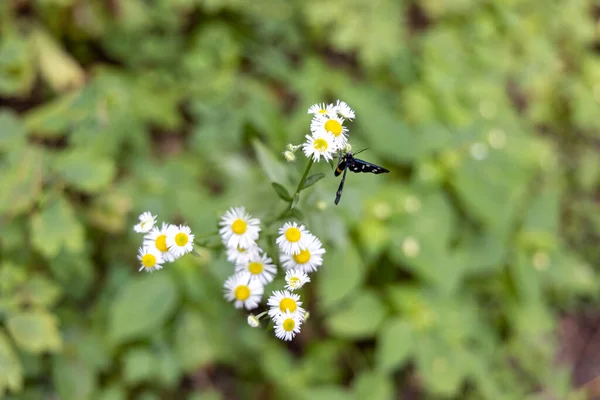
x=302 y=181
x=296 y=194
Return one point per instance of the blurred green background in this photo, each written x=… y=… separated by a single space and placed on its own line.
x=468 y=272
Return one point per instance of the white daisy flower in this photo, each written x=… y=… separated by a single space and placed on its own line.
x=147 y=221
x=157 y=239
x=260 y=267
x=287 y=325
x=295 y=279
x=240 y=255
x=238 y=228
x=320 y=144
x=180 y=240
x=308 y=259
x=333 y=125
x=291 y=239
x=243 y=290
x=253 y=321
x=282 y=301
x=321 y=109
x=344 y=110
x=150 y=258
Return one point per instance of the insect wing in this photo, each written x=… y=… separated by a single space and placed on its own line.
x=363 y=166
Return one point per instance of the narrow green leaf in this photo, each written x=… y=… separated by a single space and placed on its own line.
x=35 y=331
x=141 y=307
x=295 y=201
x=295 y=213
x=311 y=180
x=281 y=191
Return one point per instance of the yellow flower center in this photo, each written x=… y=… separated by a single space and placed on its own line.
x=241 y=249
x=322 y=111
x=321 y=145
x=242 y=292
x=292 y=234
x=161 y=243
x=148 y=260
x=288 y=325
x=302 y=257
x=239 y=226
x=181 y=239
x=287 y=304
x=294 y=281
x=334 y=127
x=255 y=268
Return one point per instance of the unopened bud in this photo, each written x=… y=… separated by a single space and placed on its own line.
x=289 y=156
x=253 y=321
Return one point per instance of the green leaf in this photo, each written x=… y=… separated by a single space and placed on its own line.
x=360 y=318
x=210 y=394
x=311 y=180
x=295 y=213
x=191 y=332
x=141 y=307
x=295 y=201
x=56 y=227
x=35 y=331
x=40 y=291
x=139 y=365
x=394 y=344
x=273 y=168
x=441 y=368
x=343 y=275
x=325 y=393
x=21 y=181
x=281 y=191
x=13 y=135
x=74 y=380
x=17 y=69
x=113 y=392
x=85 y=170
x=11 y=372
x=56 y=66
x=373 y=386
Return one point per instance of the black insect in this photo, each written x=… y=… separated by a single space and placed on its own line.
x=348 y=162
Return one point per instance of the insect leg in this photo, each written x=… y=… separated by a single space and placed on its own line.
x=338 y=195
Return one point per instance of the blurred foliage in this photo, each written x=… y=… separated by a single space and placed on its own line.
x=445 y=278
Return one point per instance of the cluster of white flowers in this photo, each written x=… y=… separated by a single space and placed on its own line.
x=300 y=253
x=162 y=245
x=328 y=133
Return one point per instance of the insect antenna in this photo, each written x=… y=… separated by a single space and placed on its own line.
x=360 y=151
